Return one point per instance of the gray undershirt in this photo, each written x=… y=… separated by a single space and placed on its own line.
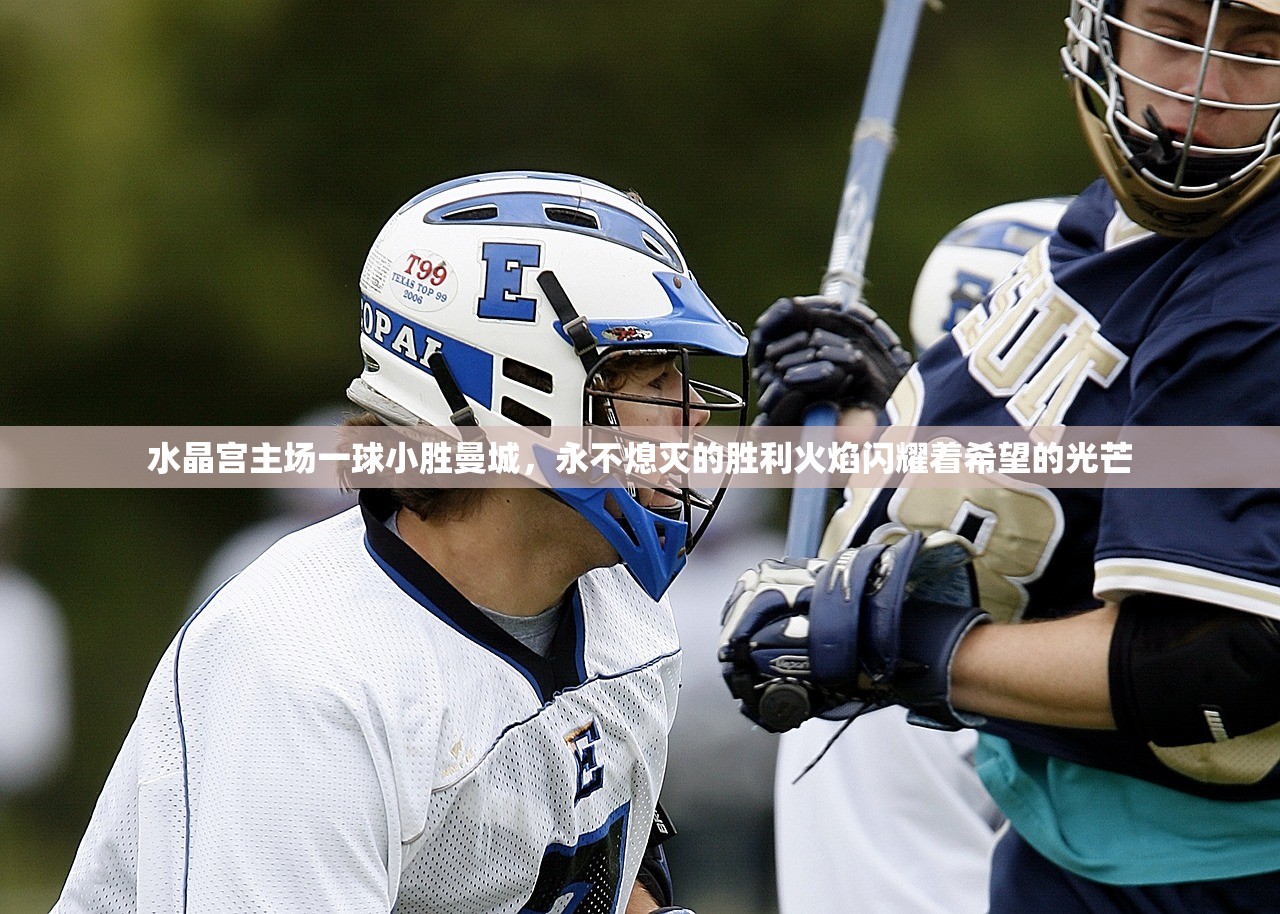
x=534 y=632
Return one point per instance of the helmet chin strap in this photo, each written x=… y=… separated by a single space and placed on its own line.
x=1163 y=154
x=574 y=324
x=463 y=416
x=586 y=349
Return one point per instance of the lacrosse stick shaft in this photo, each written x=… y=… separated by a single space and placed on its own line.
x=872 y=143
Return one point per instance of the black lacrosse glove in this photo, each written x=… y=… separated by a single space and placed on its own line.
x=809 y=350
x=874 y=625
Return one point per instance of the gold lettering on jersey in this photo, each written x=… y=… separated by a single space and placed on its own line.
x=462 y=759
x=904 y=410
x=907 y=403
x=1014 y=527
x=1036 y=346
x=1083 y=356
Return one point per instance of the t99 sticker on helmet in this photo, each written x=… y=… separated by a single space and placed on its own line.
x=426 y=282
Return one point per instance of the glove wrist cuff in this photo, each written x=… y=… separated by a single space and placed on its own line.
x=928 y=698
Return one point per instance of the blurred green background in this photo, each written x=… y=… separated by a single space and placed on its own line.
x=189 y=190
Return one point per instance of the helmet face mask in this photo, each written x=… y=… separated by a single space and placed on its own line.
x=1183 y=154
x=519 y=300
x=609 y=401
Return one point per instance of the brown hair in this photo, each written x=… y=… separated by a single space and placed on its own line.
x=616 y=371
x=444 y=504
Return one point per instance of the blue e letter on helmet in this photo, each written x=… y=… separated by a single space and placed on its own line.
x=505 y=263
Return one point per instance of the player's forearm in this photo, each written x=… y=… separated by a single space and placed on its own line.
x=1052 y=672
x=640 y=902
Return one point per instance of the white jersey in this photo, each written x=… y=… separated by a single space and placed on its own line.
x=339 y=730
x=893 y=818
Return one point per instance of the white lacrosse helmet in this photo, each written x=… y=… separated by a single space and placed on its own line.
x=1163 y=182
x=496 y=300
x=973 y=257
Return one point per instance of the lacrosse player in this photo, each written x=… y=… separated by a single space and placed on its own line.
x=452 y=701
x=894 y=816
x=1131 y=735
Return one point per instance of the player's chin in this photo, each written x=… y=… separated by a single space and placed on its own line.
x=656 y=500
x=663 y=502
x=659 y=501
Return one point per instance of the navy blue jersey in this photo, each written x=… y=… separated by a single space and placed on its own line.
x=1106 y=324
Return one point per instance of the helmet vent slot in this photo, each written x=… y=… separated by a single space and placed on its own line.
x=580 y=218
x=529 y=418
x=471 y=214
x=523 y=373
x=659 y=251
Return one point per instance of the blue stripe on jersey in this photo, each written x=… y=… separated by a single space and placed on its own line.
x=580 y=629
x=590 y=867
x=563 y=667
x=603 y=677
x=422 y=599
x=182 y=739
